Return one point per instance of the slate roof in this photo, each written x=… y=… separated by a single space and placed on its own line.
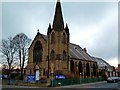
x=78 y=53
x=45 y=37
x=39 y=34
x=102 y=63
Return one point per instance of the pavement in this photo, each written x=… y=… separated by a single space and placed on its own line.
x=78 y=85
x=103 y=85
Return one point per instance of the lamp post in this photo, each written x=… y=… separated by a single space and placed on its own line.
x=80 y=77
x=52 y=72
x=52 y=79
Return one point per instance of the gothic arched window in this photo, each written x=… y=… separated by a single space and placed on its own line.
x=37 y=52
x=72 y=66
x=87 y=69
x=64 y=38
x=80 y=68
x=53 y=38
x=52 y=55
x=64 y=55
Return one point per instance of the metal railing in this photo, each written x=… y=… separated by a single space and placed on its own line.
x=73 y=81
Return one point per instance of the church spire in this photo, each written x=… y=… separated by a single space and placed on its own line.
x=58 y=18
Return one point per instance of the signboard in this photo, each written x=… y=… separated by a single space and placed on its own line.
x=30 y=78
x=60 y=76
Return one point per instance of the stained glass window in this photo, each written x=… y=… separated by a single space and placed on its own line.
x=37 y=52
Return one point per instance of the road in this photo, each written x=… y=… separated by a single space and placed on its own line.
x=89 y=86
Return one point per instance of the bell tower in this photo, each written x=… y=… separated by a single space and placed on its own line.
x=58 y=43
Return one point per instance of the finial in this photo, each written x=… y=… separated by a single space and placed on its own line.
x=66 y=26
x=38 y=30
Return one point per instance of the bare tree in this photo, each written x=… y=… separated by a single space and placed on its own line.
x=7 y=48
x=22 y=42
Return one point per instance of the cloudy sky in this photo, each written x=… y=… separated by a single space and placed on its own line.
x=93 y=25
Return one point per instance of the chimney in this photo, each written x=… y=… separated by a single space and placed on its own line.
x=85 y=50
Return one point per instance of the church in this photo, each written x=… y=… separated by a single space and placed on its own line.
x=54 y=54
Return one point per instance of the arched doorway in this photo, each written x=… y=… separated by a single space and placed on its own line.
x=37 y=74
x=72 y=66
x=80 y=68
x=87 y=70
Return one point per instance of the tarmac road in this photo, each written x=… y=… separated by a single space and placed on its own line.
x=88 y=86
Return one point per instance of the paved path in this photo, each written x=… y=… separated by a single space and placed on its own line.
x=81 y=85
x=97 y=85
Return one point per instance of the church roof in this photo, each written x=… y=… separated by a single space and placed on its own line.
x=102 y=63
x=78 y=53
x=39 y=34
x=45 y=37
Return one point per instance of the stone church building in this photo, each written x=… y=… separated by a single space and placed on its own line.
x=53 y=53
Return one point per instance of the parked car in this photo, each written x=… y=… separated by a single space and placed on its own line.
x=113 y=79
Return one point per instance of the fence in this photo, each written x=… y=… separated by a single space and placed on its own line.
x=74 y=81
x=55 y=83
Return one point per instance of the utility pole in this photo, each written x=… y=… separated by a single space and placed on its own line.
x=48 y=58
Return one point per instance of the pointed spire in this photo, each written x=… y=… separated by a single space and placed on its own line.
x=66 y=26
x=58 y=18
x=67 y=29
x=58 y=0
x=49 y=26
x=49 y=29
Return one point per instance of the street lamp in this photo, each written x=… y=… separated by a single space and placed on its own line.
x=80 y=77
x=52 y=79
x=52 y=72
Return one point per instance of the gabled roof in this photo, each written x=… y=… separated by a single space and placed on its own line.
x=102 y=63
x=39 y=34
x=45 y=37
x=77 y=52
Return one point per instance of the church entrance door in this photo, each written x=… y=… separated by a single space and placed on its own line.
x=37 y=74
